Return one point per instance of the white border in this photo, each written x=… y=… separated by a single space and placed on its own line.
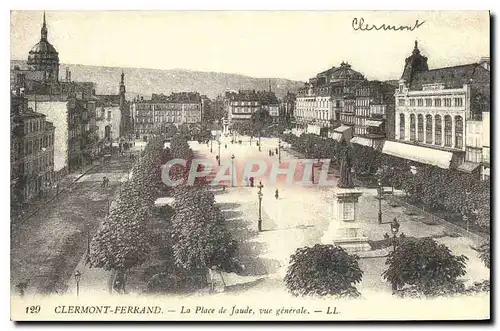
x=183 y=5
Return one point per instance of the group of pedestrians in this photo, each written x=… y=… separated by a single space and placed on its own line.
x=105 y=182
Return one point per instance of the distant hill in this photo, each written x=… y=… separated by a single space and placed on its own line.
x=144 y=82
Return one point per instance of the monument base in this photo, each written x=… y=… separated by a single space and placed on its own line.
x=347 y=236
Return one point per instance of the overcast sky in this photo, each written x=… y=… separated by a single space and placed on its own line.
x=294 y=45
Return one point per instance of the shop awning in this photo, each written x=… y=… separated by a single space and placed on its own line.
x=468 y=167
x=420 y=154
x=342 y=128
x=373 y=123
x=362 y=141
x=335 y=136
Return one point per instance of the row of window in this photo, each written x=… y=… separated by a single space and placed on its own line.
x=318 y=103
x=34 y=125
x=245 y=103
x=39 y=164
x=417 y=130
x=35 y=145
x=432 y=102
x=473 y=155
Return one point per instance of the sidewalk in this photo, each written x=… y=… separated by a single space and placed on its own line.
x=65 y=183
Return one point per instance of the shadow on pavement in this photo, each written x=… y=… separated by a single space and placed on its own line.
x=243 y=286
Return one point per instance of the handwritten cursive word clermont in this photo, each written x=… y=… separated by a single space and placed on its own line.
x=362 y=26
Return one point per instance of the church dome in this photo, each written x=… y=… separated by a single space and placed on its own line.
x=43 y=47
x=43 y=52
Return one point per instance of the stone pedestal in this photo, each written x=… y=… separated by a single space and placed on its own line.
x=343 y=230
x=225 y=126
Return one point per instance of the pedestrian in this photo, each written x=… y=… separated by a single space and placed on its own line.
x=246 y=181
x=103 y=181
x=225 y=146
x=223 y=187
x=276 y=194
x=251 y=181
x=276 y=150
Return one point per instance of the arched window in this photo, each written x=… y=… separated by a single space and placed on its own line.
x=428 y=129
x=459 y=132
x=401 y=126
x=412 y=128
x=420 y=125
x=438 y=127
x=448 y=131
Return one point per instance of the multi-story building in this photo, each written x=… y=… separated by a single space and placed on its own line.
x=373 y=103
x=319 y=105
x=439 y=114
x=32 y=152
x=240 y=106
x=114 y=120
x=69 y=105
x=155 y=115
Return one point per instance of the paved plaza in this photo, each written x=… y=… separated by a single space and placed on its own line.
x=300 y=216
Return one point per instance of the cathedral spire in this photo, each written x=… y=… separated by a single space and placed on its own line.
x=44 y=29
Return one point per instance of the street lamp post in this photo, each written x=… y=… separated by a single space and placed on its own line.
x=279 y=149
x=394 y=229
x=259 y=140
x=211 y=144
x=232 y=170
x=260 y=194
x=379 y=188
x=218 y=160
x=78 y=275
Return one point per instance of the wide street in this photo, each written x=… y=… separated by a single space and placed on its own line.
x=300 y=216
x=50 y=245
x=46 y=247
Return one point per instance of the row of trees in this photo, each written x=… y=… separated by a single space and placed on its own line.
x=201 y=239
x=197 y=229
x=431 y=186
x=122 y=241
x=418 y=267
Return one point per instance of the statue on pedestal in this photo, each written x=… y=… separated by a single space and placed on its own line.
x=345 y=168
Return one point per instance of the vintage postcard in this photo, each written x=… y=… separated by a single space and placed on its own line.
x=250 y=165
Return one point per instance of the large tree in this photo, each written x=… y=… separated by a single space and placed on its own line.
x=201 y=239
x=323 y=270
x=424 y=264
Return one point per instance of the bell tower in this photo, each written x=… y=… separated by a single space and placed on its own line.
x=122 y=91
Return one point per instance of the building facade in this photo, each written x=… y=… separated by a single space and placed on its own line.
x=240 y=106
x=32 y=152
x=321 y=102
x=69 y=105
x=154 y=116
x=441 y=111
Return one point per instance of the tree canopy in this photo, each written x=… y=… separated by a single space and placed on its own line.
x=323 y=270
